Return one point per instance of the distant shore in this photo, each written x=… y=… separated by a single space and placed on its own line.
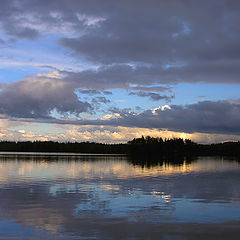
x=140 y=147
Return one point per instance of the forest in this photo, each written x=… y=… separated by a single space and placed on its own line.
x=140 y=147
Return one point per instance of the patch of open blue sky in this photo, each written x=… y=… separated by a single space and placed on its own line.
x=9 y=75
x=186 y=93
x=121 y=99
x=24 y=58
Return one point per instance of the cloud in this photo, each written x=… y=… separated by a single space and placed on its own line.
x=108 y=134
x=89 y=91
x=121 y=76
x=166 y=43
x=172 y=35
x=22 y=131
x=107 y=92
x=156 y=34
x=38 y=96
x=49 y=98
x=153 y=96
x=152 y=89
x=101 y=100
x=147 y=79
x=94 y=92
x=144 y=47
x=206 y=117
x=12 y=24
x=220 y=117
x=21 y=32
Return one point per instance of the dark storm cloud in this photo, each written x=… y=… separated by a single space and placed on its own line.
x=206 y=116
x=198 y=41
x=221 y=117
x=12 y=20
x=28 y=19
x=38 y=97
x=141 y=77
x=135 y=45
x=21 y=32
x=153 y=96
x=122 y=76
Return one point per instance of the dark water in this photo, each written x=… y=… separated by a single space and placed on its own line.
x=109 y=197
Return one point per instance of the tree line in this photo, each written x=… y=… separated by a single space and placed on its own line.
x=140 y=147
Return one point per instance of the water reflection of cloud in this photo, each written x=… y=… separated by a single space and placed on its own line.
x=70 y=197
x=44 y=170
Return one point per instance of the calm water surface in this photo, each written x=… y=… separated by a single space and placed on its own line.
x=111 y=197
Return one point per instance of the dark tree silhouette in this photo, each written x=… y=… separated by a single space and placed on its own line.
x=144 y=147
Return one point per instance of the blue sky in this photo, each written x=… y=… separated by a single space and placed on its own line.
x=108 y=72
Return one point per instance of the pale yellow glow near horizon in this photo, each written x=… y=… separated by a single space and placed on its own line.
x=22 y=131
x=107 y=168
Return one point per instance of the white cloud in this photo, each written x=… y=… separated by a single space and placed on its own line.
x=21 y=131
x=162 y=108
x=110 y=116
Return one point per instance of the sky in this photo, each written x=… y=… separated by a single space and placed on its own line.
x=110 y=71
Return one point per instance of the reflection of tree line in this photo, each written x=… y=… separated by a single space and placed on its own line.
x=158 y=161
x=144 y=147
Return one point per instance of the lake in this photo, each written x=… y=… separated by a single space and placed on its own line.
x=69 y=196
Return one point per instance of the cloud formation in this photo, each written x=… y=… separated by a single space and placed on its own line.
x=204 y=117
x=145 y=48
x=221 y=117
x=39 y=96
x=166 y=42
x=153 y=96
